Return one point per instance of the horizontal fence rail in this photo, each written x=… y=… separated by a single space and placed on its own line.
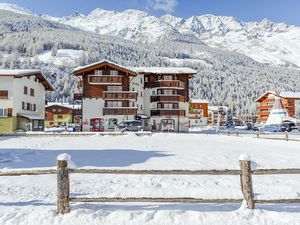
x=263 y=135
x=158 y=172
x=245 y=173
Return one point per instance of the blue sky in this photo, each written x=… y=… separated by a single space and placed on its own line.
x=287 y=11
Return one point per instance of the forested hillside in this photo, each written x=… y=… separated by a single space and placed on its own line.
x=224 y=77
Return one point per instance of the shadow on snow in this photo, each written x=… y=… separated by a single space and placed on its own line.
x=31 y=158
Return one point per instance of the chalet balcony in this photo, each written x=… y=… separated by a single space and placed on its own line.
x=262 y=107
x=167 y=98
x=120 y=95
x=176 y=84
x=78 y=96
x=167 y=112
x=120 y=111
x=105 y=80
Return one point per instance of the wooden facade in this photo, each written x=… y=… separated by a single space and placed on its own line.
x=60 y=115
x=265 y=103
x=198 y=112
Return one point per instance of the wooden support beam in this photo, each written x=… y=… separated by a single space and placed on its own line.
x=63 y=187
x=246 y=181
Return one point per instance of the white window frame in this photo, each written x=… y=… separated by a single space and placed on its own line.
x=3 y=112
x=114 y=72
x=98 y=72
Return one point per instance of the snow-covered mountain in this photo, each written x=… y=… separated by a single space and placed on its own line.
x=265 y=41
x=41 y=42
x=15 y=8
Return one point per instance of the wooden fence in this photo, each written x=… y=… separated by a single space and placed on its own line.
x=245 y=172
x=262 y=135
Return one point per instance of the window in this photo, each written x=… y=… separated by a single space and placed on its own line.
x=168 y=92
x=54 y=110
x=35 y=79
x=34 y=107
x=141 y=94
x=168 y=77
x=141 y=80
x=146 y=79
x=114 y=88
x=31 y=92
x=58 y=110
x=98 y=72
x=112 y=123
x=141 y=107
x=28 y=106
x=3 y=112
x=159 y=78
x=23 y=105
x=25 y=90
x=59 y=116
x=114 y=72
x=168 y=106
x=113 y=104
x=3 y=94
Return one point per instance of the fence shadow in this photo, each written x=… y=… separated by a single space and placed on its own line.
x=32 y=158
x=294 y=208
x=158 y=207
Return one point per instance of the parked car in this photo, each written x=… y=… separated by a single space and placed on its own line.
x=132 y=125
x=288 y=126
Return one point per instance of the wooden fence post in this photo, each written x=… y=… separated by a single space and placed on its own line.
x=246 y=181
x=63 y=184
x=286 y=136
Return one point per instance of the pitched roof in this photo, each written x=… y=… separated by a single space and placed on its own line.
x=79 y=69
x=63 y=104
x=164 y=70
x=289 y=94
x=194 y=100
x=25 y=73
x=283 y=94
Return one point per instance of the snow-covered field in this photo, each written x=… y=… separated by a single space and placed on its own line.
x=32 y=199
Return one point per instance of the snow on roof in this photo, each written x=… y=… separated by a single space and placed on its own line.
x=166 y=70
x=194 y=100
x=79 y=68
x=289 y=94
x=5 y=72
x=267 y=92
x=215 y=108
x=31 y=117
x=20 y=73
x=64 y=104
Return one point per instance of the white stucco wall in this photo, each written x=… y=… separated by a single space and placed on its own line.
x=7 y=84
x=38 y=98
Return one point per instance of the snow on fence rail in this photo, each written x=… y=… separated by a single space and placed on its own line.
x=273 y=136
x=245 y=172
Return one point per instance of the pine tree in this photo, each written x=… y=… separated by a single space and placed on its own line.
x=229 y=121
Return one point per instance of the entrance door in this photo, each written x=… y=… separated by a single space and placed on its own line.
x=168 y=125
x=97 y=125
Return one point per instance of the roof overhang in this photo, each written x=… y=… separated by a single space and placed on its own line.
x=79 y=71
x=27 y=73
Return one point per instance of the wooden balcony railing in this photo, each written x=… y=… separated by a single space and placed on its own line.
x=169 y=84
x=105 y=80
x=120 y=111
x=167 y=112
x=110 y=95
x=167 y=98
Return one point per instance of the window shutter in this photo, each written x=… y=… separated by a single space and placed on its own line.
x=9 y=112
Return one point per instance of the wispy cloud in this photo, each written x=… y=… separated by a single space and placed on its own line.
x=167 y=6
